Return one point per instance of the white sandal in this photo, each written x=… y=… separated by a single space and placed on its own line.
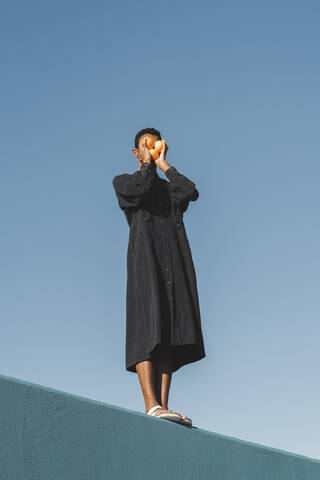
x=167 y=414
x=184 y=420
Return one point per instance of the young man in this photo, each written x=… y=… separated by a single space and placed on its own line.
x=163 y=325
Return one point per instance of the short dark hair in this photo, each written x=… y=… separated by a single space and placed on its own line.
x=151 y=131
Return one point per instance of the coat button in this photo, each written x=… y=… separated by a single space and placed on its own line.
x=168 y=281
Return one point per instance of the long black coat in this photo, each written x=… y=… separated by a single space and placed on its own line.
x=162 y=305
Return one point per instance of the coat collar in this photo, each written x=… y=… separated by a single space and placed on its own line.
x=155 y=172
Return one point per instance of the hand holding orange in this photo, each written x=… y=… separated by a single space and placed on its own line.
x=149 y=142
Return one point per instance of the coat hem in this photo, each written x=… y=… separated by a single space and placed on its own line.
x=178 y=359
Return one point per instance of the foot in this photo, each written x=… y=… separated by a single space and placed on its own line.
x=186 y=420
x=161 y=412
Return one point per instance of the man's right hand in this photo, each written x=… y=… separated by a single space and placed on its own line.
x=145 y=155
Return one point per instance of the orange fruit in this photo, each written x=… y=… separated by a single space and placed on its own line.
x=158 y=145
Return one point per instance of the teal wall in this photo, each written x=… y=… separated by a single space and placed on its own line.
x=46 y=434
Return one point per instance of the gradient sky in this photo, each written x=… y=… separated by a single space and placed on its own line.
x=235 y=92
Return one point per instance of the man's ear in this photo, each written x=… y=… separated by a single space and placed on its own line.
x=135 y=152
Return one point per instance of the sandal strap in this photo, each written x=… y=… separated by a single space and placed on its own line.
x=153 y=409
x=165 y=412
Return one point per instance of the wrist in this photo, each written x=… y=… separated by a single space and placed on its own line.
x=166 y=167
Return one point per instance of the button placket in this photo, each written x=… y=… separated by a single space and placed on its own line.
x=163 y=224
x=165 y=227
x=164 y=244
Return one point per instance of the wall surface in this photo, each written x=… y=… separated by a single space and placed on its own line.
x=46 y=434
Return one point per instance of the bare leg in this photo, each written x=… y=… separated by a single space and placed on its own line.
x=163 y=376
x=155 y=379
x=146 y=373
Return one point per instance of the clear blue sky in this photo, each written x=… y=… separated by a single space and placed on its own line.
x=235 y=92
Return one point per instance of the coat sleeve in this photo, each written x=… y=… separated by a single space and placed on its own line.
x=181 y=188
x=131 y=188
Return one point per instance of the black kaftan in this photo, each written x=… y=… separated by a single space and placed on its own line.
x=162 y=305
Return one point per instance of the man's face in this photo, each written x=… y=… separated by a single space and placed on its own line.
x=137 y=151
